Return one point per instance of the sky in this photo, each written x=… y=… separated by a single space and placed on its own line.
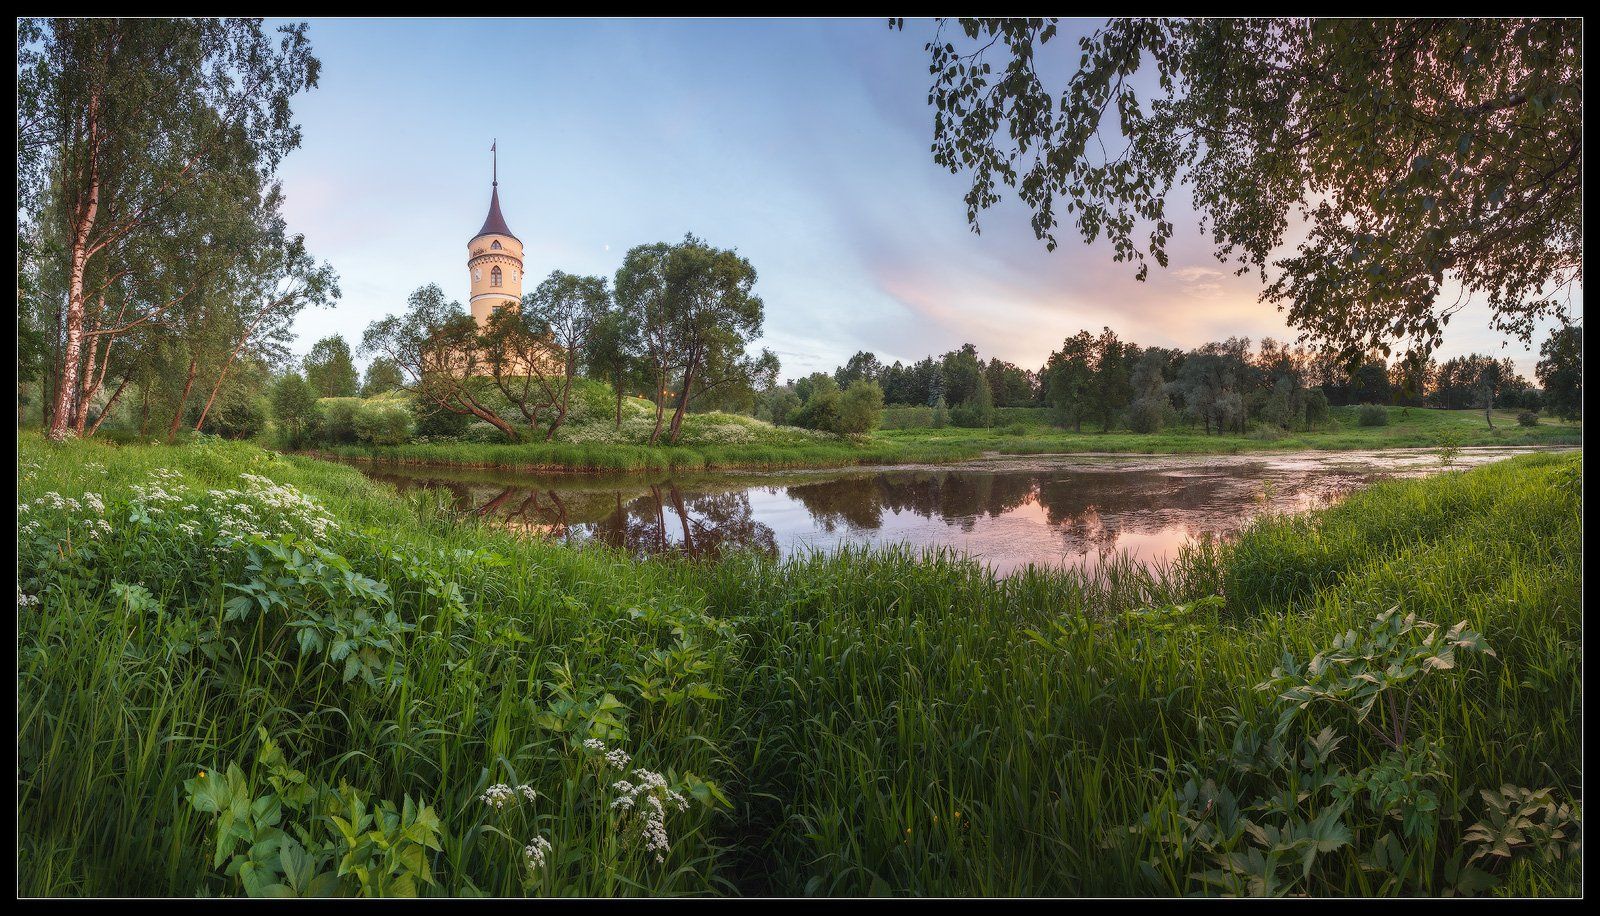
x=802 y=144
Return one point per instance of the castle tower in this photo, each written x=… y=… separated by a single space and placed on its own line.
x=494 y=260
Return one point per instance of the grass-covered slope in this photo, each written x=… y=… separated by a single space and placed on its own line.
x=355 y=675
x=1406 y=428
x=717 y=441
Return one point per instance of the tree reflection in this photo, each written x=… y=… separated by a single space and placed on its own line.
x=667 y=520
x=955 y=497
x=1013 y=514
x=1088 y=509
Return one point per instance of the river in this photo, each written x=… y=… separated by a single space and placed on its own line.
x=1006 y=511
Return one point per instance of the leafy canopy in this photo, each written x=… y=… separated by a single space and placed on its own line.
x=1418 y=153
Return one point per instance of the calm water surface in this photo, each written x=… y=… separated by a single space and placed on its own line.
x=1008 y=512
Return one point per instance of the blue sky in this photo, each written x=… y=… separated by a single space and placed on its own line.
x=802 y=143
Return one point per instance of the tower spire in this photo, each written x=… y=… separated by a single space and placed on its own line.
x=494 y=156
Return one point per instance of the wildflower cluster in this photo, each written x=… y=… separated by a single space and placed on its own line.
x=644 y=803
x=499 y=795
x=535 y=852
x=62 y=516
x=259 y=508
x=616 y=758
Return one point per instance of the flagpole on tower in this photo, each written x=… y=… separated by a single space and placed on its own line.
x=495 y=159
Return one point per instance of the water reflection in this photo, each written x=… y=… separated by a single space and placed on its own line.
x=663 y=518
x=1051 y=510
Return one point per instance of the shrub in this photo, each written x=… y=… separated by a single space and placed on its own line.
x=1316 y=407
x=1148 y=415
x=1228 y=412
x=907 y=417
x=778 y=405
x=1028 y=416
x=383 y=422
x=436 y=422
x=241 y=418
x=294 y=405
x=941 y=414
x=482 y=432
x=821 y=409
x=977 y=411
x=590 y=400
x=336 y=424
x=1527 y=418
x=1268 y=432
x=1372 y=415
x=860 y=409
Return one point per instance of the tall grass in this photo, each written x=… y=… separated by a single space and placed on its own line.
x=887 y=722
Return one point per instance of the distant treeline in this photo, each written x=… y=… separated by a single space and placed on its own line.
x=1222 y=386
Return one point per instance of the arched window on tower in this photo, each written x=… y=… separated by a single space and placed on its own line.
x=494 y=277
x=495 y=246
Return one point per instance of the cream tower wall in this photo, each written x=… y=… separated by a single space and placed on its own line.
x=482 y=258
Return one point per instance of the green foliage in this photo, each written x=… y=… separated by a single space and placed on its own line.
x=1560 y=371
x=295 y=405
x=1149 y=415
x=1388 y=661
x=436 y=422
x=1404 y=140
x=336 y=423
x=907 y=418
x=383 y=377
x=240 y=417
x=330 y=370
x=1316 y=405
x=977 y=411
x=1527 y=418
x=778 y=405
x=383 y=422
x=860 y=409
x=342 y=846
x=790 y=705
x=1519 y=822
x=1372 y=415
x=823 y=401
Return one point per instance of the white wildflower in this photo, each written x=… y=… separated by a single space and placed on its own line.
x=498 y=796
x=535 y=852
x=616 y=758
x=645 y=804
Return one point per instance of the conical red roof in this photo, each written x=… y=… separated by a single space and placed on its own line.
x=494 y=223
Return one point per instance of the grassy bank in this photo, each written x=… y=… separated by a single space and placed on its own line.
x=1406 y=428
x=294 y=682
x=600 y=456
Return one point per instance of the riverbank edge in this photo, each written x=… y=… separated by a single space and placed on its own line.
x=579 y=459
x=688 y=459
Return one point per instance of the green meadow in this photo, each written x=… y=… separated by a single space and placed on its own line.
x=1018 y=431
x=1406 y=427
x=246 y=673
